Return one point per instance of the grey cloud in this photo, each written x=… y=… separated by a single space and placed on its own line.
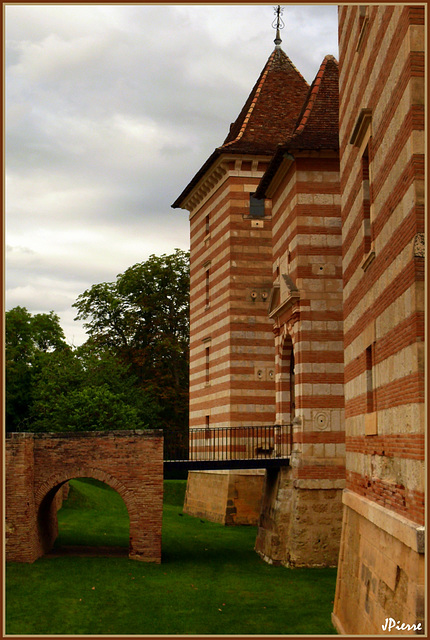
x=110 y=111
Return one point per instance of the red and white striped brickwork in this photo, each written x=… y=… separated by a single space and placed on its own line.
x=383 y=299
x=382 y=182
x=307 y=249
x=231 y=341
x=231 y=347
x=301 y=511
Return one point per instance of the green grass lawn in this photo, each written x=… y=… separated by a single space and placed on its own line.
x=210 y=581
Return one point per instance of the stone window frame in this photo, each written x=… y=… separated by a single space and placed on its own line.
x=362 y=139
x=363 y=18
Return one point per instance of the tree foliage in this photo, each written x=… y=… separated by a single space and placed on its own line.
x=143 y=318
x=133 y=370
x=84 y=390
x=27 y=339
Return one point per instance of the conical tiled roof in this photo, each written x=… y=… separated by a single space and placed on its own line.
x=318 y=123
x=268 y=116
x=317 y=126
x=271 y=111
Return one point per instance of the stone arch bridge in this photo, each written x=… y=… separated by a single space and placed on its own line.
x=38 y=465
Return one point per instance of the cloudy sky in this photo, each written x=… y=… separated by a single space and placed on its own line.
x=110 y=111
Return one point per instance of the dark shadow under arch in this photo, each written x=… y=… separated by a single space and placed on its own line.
x=285 y=409
x=93 y=521
x=49 y=504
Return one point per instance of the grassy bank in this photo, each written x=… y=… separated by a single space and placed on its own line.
x=210 y=581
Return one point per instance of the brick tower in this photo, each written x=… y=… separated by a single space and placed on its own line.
x=338 y=240
x=302 y=509
x=232 y=352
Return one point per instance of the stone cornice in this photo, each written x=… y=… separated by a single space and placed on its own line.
x=408 y=532
x=218 y=173
x=206 y=186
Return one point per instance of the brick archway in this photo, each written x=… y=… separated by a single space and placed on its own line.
x=37 y=465
x=46 y=503
x=285 y=401
x=58 y=479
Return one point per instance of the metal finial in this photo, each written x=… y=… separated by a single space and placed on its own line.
x=278 y=24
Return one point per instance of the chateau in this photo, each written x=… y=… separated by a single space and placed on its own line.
x=307 y=309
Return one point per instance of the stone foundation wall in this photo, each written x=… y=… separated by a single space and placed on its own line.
x=228 y=497
x=300 y=522
x=381 y=570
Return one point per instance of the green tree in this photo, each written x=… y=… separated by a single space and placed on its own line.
x=143 y=318
x=52 y=387
x=132 y=371
x=87 y=390
x=27 y=337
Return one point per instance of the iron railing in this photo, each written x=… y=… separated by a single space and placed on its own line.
x=235 y=443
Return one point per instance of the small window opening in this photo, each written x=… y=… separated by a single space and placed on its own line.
x=256 y=207
x=207 y=287
x=370 y=389
x=207 y=363
x=367 y=226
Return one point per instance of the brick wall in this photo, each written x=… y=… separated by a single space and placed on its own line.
x=382 y=162
x=38 y=466
x=21 y=517
x=232 y=352
x=301 y=517
x=231 y=336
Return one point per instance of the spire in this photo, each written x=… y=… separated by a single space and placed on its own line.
x=318 y=123
x=278 y=24
x=268 y=116
x=271 y=110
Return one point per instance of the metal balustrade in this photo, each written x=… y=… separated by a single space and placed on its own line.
x=220 y=447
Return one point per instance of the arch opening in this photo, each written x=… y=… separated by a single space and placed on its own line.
x=47 y=522
x=286 y=396
x=84 y=516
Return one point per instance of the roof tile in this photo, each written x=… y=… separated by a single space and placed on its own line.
x=268 y=116
x=318 y=123
x=317 y=126
x=271 y=109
